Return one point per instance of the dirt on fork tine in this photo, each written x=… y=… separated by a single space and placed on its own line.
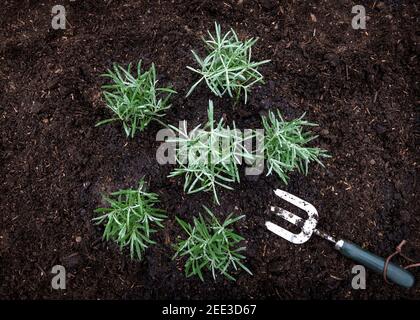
x=358 y=85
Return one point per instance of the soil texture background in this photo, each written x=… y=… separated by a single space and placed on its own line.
x=360 y=86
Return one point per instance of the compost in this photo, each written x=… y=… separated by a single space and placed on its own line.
x=360 y=86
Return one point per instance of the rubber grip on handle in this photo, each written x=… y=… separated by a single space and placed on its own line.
x=394 y=272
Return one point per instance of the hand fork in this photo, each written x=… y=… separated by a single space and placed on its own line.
x=394 y=272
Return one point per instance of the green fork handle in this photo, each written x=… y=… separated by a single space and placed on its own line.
x=394 y=272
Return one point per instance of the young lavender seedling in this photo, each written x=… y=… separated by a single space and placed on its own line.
x=135 y=100
x=211 y=245
x=209 y=157
x=228 y=66
x=285 y=145
x=131 y=219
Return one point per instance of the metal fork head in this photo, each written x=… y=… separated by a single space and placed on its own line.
x=307 y=226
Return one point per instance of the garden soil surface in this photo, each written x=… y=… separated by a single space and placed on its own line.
x=360 y=86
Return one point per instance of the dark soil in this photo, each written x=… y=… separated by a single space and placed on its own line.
x=359 y=85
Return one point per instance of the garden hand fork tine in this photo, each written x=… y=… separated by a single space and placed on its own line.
x=307 y=225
